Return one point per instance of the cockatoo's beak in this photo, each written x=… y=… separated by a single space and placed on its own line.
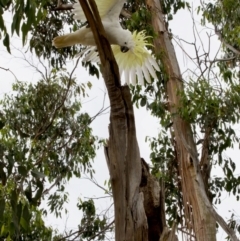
x=124 y=49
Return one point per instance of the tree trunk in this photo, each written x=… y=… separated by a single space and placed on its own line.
x=138 y=200
x=125 y=169
x=122 y=152
x=198 y=215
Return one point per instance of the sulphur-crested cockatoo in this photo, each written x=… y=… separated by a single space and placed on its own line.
x=129 y=49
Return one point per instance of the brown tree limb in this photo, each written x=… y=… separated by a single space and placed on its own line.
x=195 y=198
x=63 y=7
x=194 y=195
x=10 y=72
x=229 y=46
x=122 y=152
x=154 y=203
x=205 y=165
x=82 y=230
x=125 y=13
x=102 y=231
x=169 y=235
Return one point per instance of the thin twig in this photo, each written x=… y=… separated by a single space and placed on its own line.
x=10 y=72
x=234 y=50
x=95 y=182
x=63 y=7
x=46 y=191
x=70 y=235
x=102 y=231
x=97 y=198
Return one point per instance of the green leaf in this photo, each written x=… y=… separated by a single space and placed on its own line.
x=5 y=3
x=10 y=163
x=22 y=170
x=2 y=229
x=24 y=33
x=24 y=224
x=25 y=218
x=16 y=23
x=13 y=200
x=2 y=25
x=28 y=192
x=143 y=101
x=12 y=229
x=31 y=13
x=3 y=176
x=2 y=205
x=39 y=192
x=19 y=212
x=37 y=174
x=6 y=42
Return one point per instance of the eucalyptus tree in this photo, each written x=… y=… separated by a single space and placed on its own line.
x=175 y=191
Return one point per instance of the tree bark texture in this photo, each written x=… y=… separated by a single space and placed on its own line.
x=137 y=201
x=122 y=151
x=125 y=169
x=154 y=200
x=196 y=204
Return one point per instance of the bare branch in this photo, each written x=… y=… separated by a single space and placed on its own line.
x=95 y=182
x=126 y=13
x=10 y=72
x=224 y=226
x=78 y=232
x=46 y=191
x=234 y=50
x=45 y=68
x=102 y=110
x=74 y=68
x=102 y=231
x=63 y=7
x=30 y=63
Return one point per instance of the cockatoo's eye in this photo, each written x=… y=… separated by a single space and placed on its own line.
x=124 y=49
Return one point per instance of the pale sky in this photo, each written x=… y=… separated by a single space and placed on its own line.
x=146 y=125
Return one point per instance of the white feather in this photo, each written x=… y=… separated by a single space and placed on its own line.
x=136 y=63
x=154 y=63
x=146 y=74
x=140 y=76
x=133 y=76
x=126 y=75
x=150 y=69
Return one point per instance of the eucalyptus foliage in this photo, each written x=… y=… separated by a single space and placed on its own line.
x=44 y=141
x=45 y=138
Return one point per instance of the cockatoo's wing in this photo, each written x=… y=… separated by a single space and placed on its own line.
x=106 y=8
x=136 y=64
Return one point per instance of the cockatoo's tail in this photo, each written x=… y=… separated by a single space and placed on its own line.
x=132 y=56
x=63 y=41
x=83 y=36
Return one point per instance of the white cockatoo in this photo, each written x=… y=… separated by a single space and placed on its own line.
x=129 y=49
